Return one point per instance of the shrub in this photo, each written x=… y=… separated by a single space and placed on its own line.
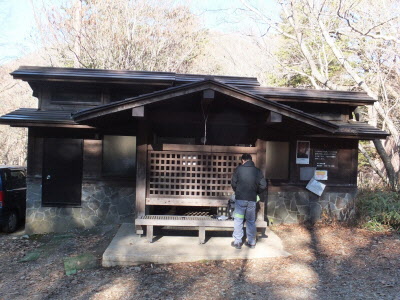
x=378 y=209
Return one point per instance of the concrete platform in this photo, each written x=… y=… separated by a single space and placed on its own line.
x=128 y=249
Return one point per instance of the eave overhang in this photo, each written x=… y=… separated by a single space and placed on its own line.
x=283 y=94
x=31 y=117
x=361 y=130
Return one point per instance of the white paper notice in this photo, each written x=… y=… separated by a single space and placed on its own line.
x=315 y=186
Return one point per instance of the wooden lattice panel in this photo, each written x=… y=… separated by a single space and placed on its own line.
x=190 y=174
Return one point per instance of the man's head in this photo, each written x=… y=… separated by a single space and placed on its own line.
x=246 y=157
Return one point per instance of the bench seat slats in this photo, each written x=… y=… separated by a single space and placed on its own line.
x=163 y=220
x=207 y=202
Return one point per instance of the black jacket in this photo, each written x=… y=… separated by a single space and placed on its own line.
x=248 y=181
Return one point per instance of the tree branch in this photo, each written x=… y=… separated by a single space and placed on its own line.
x=372 y=164
x=368 y=32
x=267 y=20
x=361 y=83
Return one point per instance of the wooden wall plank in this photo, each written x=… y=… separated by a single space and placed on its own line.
x=92 y=158
x=35 y=156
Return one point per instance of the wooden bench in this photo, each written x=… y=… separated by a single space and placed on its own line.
x=202 y=222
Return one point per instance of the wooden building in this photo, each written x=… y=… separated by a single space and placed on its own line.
x=160 y=148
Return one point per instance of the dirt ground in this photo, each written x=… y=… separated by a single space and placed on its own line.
x=327 y=262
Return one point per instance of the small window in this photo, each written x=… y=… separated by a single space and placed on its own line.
x=277 y=160
x=18 y=179
x=119 y=155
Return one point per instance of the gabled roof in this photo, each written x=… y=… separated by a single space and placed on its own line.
x=170 y=79
x=28 y=117
x=245 y=89
x=170 y=93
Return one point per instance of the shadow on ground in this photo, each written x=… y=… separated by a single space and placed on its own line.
x=327 y=263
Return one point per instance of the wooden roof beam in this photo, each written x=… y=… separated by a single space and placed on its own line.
x=138 y=111
x=273 y=117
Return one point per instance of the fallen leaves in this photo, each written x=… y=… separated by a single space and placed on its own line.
x=326 y=263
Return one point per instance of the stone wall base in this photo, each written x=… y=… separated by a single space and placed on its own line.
x=290 y=207
x=102 y=204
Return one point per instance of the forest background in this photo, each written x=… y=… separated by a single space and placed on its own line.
x=350 y=45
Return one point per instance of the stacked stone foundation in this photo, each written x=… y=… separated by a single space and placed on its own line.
x=289 y=207
x=104 y=204
x=101 y=204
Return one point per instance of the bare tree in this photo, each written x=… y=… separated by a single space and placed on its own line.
x=13 y=95
x=345 y=45
x=121 y=34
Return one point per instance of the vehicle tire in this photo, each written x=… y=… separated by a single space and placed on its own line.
x=12 y=223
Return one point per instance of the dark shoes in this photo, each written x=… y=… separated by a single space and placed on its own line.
x=237 y=246
x=250 y=246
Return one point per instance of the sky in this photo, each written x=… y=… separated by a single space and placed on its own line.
x=17 y=23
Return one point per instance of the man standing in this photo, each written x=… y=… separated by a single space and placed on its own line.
x=247 y=182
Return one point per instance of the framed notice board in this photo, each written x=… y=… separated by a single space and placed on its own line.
x=337 y=157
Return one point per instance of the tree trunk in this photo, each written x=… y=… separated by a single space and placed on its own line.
x=390 y=171
x=372 y=164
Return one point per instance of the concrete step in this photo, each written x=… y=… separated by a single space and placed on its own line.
x=129 y=249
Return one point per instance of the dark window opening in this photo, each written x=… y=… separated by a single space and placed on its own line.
x=277 y=160
x=18 y=180
x=119 y=155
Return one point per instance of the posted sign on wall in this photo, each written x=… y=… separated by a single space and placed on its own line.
x=326 y=158
x=321 y=175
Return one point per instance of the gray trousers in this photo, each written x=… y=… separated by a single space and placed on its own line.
x=244 y=210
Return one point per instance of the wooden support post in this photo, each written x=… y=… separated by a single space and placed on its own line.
x=141 y=170
x=202 y=235
x=261 y=164
x=149 y=233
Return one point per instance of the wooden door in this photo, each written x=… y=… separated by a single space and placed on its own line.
x=62 y=172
